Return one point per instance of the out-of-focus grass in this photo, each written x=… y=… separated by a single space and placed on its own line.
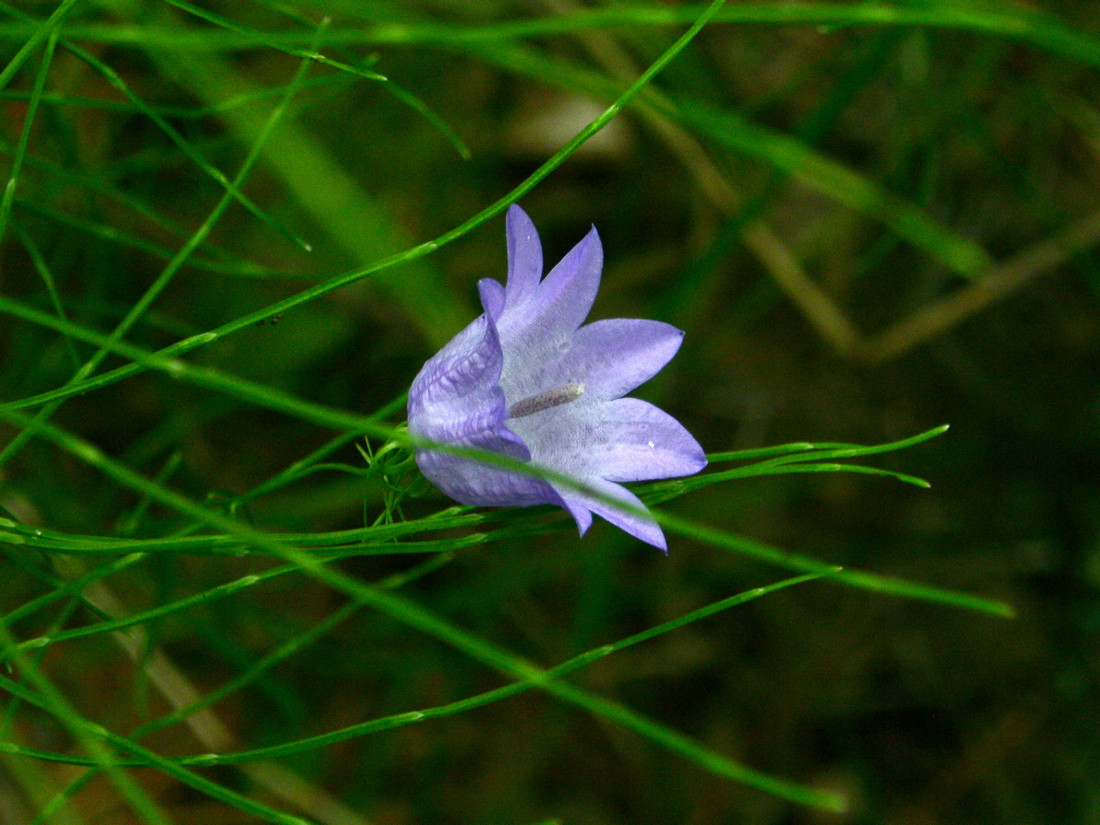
x=870 y=219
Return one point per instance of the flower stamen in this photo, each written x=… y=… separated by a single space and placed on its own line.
x=545 y=400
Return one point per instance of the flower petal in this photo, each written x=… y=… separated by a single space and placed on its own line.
x=471 y=482
x=462 y=372
x=560 y=304
x=638 y=526
x=617 y=355
x=623 y=440
x=524 y=256
x=456 y=400
x=566 y=294
x=492 y=297
x=576 y=508
x=609 y=357
x=565 y=383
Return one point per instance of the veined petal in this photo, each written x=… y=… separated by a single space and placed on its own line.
x=524 y=256
x=464 y=369
x=456 y=400
x=641 y=527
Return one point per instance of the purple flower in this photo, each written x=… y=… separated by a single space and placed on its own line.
x=526 y=380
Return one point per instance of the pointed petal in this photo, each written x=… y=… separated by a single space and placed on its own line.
x=613 y=357
x=524 y=256
x=567 y=293
x=558 y=307
x=644 y=442
x=623 y=440
x=581 y=514
x=639 y=526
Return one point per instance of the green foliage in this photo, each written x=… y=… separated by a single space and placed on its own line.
x=230 y=236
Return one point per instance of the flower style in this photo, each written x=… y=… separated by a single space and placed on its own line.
x=526 y=380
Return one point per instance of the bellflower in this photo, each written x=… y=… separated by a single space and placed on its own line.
x=526 y=380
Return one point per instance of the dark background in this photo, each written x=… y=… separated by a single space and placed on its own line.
x=921 y=713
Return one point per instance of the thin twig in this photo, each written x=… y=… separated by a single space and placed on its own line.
x=995 y=284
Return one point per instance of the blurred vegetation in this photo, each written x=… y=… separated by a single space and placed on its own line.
x=871 y=219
